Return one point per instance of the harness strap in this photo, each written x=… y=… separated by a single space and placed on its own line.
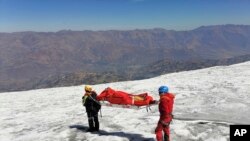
x=171 y=115
x=101 y=112
x=166 y=124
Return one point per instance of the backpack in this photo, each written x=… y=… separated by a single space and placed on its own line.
x=97 y=103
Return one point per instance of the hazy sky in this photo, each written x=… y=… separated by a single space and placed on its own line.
x=54 y=15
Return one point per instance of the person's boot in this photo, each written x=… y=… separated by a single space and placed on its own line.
x=90 y=130
x=166 y=138
x=96 y=129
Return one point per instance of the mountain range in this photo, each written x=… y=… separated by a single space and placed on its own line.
x=31 y=60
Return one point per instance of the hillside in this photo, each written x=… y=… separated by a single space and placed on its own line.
x=207 y=101
x=27 y=57
x=151 y=70
x=169 y=66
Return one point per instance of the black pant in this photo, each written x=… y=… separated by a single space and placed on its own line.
x=93 y=121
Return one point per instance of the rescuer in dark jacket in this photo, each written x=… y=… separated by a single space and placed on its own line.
x=92 y=108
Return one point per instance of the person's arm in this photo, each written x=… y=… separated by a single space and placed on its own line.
x=163 y=108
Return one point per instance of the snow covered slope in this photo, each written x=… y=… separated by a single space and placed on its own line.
x=207 y=101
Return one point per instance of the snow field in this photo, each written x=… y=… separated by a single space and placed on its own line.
x=207 y=102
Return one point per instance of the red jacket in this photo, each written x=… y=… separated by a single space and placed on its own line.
x=166 y=107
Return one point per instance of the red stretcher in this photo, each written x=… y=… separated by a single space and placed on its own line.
x=124 y=99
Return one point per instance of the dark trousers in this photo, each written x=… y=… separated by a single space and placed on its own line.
x=93 y=121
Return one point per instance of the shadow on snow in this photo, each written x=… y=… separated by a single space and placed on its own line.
x=130 y=136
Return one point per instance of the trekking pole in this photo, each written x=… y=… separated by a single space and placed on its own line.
x=101 y=112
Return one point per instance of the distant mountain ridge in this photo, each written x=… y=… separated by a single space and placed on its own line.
x=36 y=56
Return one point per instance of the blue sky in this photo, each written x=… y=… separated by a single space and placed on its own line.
x=55 y=15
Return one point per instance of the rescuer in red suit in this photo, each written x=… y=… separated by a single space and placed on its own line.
x=165 y=109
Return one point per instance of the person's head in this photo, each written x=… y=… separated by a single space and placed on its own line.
x=163 y=90
x=88 y=88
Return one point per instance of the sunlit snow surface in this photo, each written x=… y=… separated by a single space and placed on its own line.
x=207 y=102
